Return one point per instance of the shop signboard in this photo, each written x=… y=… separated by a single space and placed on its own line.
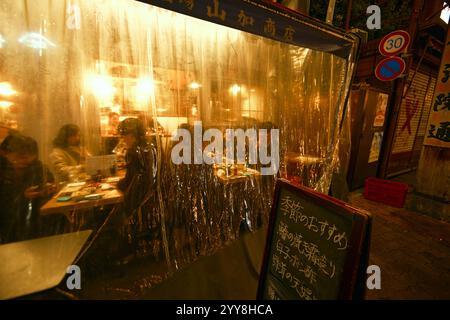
x=316 y=247
x=438 y=128
x=375 y=147
x=267 y=19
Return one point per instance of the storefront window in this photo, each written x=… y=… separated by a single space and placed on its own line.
x=92 y=93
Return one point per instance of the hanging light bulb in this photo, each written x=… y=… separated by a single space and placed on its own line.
x=235 y=89
x=194 y=85
x=101 y=86
x=2 y=41
x=5 y=104
x=6 y=89
x=36 y=41
x=145 y=87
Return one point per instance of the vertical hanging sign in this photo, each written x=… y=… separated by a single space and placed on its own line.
x=438 y=128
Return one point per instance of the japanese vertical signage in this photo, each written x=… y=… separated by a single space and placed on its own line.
x=438 y=129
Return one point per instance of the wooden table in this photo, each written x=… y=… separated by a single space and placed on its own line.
x=307 y=169
x=305 y=160
x=242 y=176
x=53 y=206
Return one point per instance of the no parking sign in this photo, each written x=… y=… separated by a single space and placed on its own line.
x=390 y=68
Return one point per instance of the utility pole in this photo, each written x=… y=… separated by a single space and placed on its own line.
x=330 y=11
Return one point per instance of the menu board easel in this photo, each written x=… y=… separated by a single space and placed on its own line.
x=317 y=247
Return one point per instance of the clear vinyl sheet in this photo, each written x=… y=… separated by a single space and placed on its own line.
x=92 y=65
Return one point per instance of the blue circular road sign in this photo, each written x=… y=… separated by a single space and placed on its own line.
x=390 y=68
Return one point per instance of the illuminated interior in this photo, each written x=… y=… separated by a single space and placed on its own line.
x=96 y=63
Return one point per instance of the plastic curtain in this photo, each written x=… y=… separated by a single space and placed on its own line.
x=97 y=63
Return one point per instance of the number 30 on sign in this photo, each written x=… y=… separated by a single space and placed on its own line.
x=394 y=43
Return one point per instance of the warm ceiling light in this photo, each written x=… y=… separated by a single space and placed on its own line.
x=101 y=86
x=36 y=41
x=2 y=41
x=161 y=109
x=145 y=86
x=194 y=85
x=145 y=89
x=6 y=89
x=235 y=89
x=5 y=104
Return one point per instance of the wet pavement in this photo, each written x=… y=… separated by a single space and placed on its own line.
x=412 y=251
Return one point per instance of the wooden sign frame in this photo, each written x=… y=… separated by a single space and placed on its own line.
x=354 y=272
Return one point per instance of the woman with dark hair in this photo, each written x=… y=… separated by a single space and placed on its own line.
x=140 y=162
x=67 y=156
x=139 y=183
x=25 y=183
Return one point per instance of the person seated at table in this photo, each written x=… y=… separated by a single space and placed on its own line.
x=4 y=132
x=25 y=184
x=139 y=183
x=113 y=123
x=67 y=155
x=111 y=138
x=140 y=162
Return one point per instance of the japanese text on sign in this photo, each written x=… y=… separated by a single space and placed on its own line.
x=293 y=210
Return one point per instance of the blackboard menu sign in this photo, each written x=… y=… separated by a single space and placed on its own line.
x=316 y=248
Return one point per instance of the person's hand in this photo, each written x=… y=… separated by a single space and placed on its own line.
x=32 y=192
x=49 y=189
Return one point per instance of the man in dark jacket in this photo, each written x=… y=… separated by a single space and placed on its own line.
x=25 y=184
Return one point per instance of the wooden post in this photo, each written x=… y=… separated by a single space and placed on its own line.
x=330 y=11
x=349 y=15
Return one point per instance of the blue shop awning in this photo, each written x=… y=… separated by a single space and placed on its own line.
x=266 y=19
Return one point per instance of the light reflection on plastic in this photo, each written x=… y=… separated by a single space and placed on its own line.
x=145 y=87
x=101 y=86
x=235 y=89
x=6 y=89
x=2 y=41
x=445 y=14
x=5 y=104
x=36 y=41
x=194 y=85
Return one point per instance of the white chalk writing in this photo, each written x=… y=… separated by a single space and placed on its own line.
x=293 y=210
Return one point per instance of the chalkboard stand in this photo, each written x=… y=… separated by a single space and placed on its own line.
x=352 y=281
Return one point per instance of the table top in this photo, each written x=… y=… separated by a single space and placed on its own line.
x=240 y=177
x=40 y=264
x=99 y=197
x=295 y=157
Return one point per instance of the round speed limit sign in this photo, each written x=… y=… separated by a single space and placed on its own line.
x=394 y=43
